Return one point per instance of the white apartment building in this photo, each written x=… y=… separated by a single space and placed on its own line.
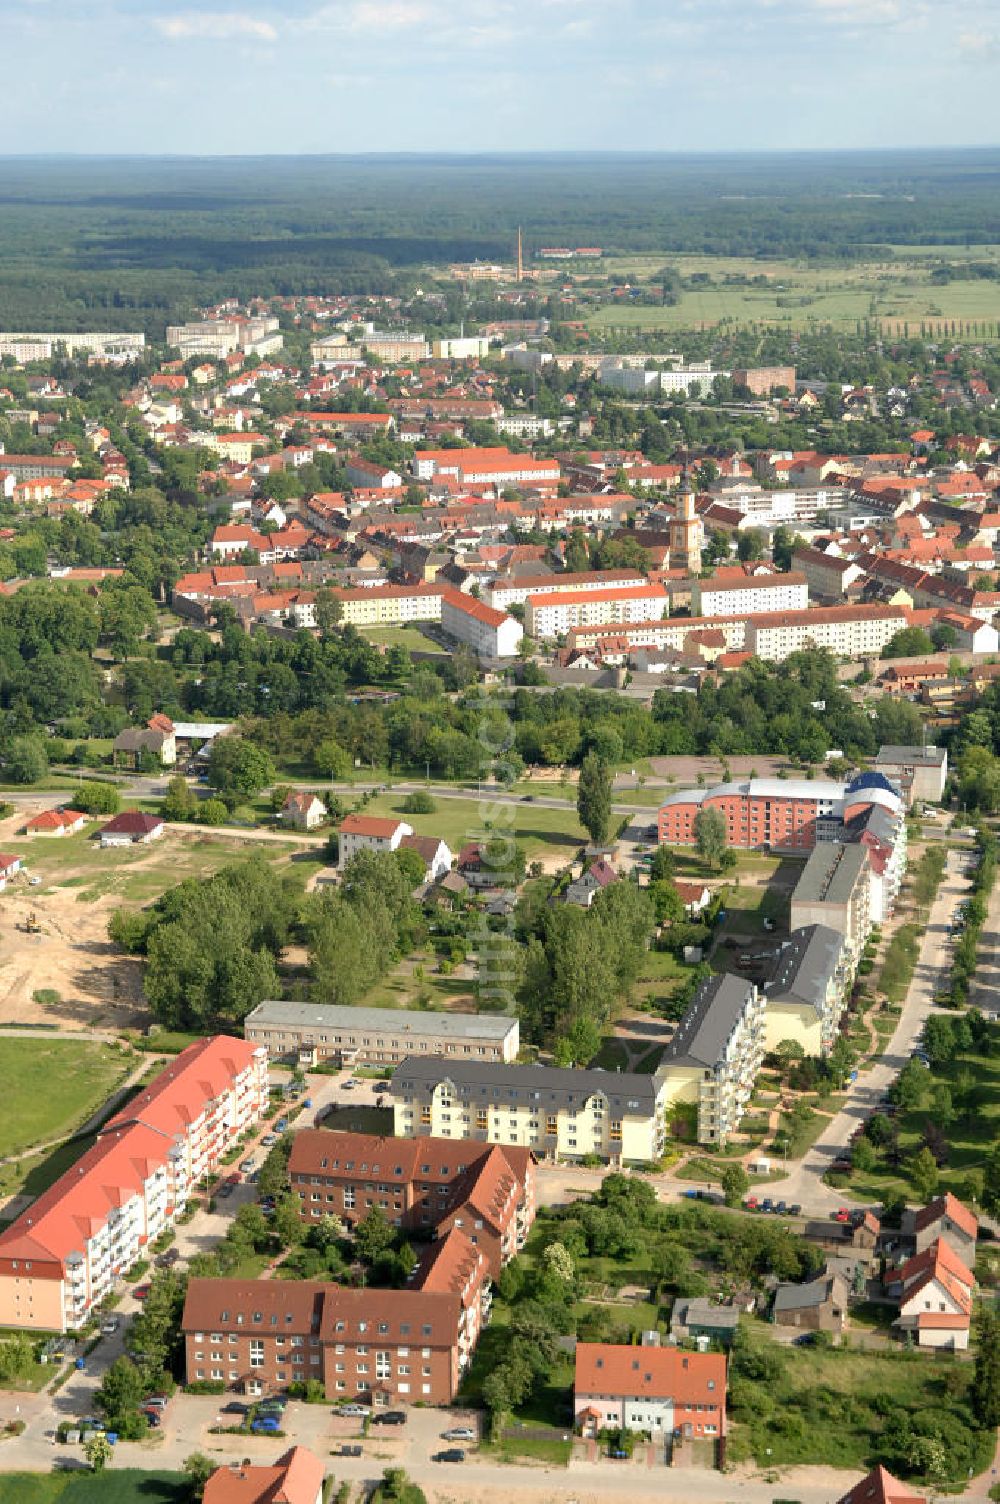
x=30 y=346
x=489 y=632
x=752 y=595
x=218 y=338
x=73 y=1244
x=503 y=593
x=683 y=378
x=847 y=631
x=549 y=616
x=528 y=426
x=468 y=347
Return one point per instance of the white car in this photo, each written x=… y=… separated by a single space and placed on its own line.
x=357 y=1412
x=34 y=882
x=459 y=1433
x=111 y=1325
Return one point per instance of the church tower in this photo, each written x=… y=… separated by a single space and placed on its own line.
x=686 y=532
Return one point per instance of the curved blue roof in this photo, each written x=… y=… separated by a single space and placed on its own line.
x=870 y=781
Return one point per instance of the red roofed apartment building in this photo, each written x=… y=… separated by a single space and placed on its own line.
x=657 y=1389
x=496 y=467
x=64 y=1254
x=381 y=1346
x=428 y=1184
x=296 y=1478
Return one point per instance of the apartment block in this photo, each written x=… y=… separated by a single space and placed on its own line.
x=63 y=1255
x=715 y=1054
x=496 y=466
x=556 y=1112
x=807 y=992
x=218 y=338
x=425 y=1185
x=753 y=595
x=847 y=631
x=313 y=1032
x=761 y=814
x=490 y=633
x=24 y=347
x=504 y=593
x=550 y=615
x=761 y=381
x=920 y=772
x=378 y=1346
x=834 y=889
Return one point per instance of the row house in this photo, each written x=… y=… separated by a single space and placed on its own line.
x=427 y=1185
x=660 y=1390
x=63 y=1255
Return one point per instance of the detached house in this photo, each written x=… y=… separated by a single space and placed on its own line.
x=303 y=811
x=880 y=1487
x=935 y=1298
x=9 y=865
x=948 y=1220
x=56 y=822
x=132 y=828
x=296 y=1478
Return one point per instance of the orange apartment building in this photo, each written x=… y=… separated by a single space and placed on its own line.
x=63 y=1255
x=760 y=813
x=429 y=1185
x=380 y=1346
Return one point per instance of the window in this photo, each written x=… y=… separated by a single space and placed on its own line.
x=256 y=1353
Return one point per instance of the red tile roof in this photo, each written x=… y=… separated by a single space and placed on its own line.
x=650 y=1373
x=369 y=825
x=880 y=1487
x=296 y=1478
x=948 y=1206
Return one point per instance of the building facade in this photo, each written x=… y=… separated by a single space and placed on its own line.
x=369 y=833
x=834 y=889
x=661 y=1390
x=715 y=1054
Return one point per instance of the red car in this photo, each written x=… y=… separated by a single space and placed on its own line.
x=751 y=1203
x=842 y=1214
x=141 y=1291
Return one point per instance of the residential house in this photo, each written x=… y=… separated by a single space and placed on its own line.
x=56 y=822
x=695 y=898
x=656 y=1389
x=947 y=1219
x=433 y=852
x=697 y=1316
x=296 y=1478
x=303 y=810
x=9 y=865
x=598 y=876
x=132 y=747
x=132 y=828
x=369 y=833
x=880 y=1487
x=820 y=1305
x=935 y=1298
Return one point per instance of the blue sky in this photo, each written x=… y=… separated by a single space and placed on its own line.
x=484 y=75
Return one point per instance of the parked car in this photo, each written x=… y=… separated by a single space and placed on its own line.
x=453 y=1454
x=268 y=1140
x=276 y=1402
x=141 y=1292
x=390 y=1418
x=781 y=1209
x=347 y=1085
x=167 y=1260
x=155 y=1402
x=795 y=1210
x=804 y=1339
x=235 y=1407
x=246 y=1165
x=265 y=1423
x=459 y=1433
x=767 y=1205
x=752 y=1204
x=111 y=1324
x=358 y=1412
x=153 y=1418
x=842 y=1214
x=351 y=1449
x=280 y=1124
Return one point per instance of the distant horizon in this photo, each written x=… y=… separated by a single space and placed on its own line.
x=511 y=154
x=234 y=78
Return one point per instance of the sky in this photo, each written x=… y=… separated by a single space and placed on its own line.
x=291 y=76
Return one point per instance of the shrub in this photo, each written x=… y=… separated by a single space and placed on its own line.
x=419 y=803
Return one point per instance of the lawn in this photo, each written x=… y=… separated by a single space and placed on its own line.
x=35 y=1173
x=538 y=831
x=83 y=1074
x=401 y=637
x=113 y=1486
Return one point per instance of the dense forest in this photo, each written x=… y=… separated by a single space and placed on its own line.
x=126 y=242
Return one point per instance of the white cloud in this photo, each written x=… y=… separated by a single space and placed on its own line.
x=382 y=16
x=984 y=45
x=216 y=26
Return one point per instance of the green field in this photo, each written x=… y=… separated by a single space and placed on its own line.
x=51 y=1086
x=401 y=637
x=113 y=1486
x=797 y=294
x=539 y=831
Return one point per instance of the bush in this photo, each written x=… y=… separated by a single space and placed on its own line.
x=419 y=803
x=96 y=798
x=205 y=1386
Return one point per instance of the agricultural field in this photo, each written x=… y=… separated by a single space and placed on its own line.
x=796 y=293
